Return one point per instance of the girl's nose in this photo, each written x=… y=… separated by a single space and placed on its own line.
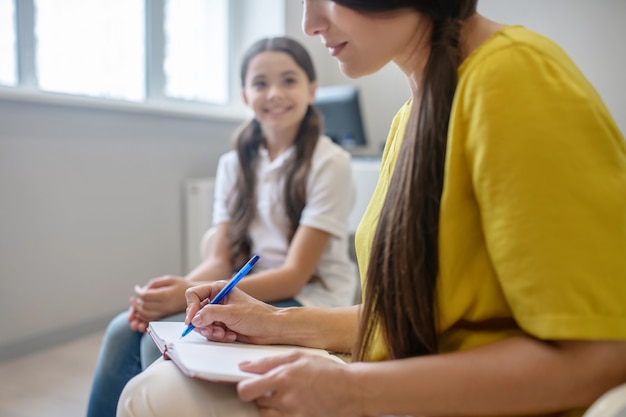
x=274 y=91
x=314 y=20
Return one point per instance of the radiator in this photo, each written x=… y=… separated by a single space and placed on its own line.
x=198 y=217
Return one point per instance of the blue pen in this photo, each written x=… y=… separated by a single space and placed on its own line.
x=227 y=288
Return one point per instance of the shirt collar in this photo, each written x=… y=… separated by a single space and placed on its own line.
x=278 y=161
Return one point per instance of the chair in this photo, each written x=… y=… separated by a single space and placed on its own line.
x=611 y=404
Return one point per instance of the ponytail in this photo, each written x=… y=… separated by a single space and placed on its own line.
x=402 y=271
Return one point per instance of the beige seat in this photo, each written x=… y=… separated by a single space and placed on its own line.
x=610 y=404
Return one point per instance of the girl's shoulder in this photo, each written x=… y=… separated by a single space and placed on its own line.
x=229 y=158
x=227 y=164
x=326 y=149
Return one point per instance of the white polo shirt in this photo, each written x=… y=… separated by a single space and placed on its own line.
x=330 y=194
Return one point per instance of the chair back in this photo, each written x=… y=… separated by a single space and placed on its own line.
x=610 y=404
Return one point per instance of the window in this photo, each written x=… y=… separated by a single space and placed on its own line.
x=91 y=47
x=195 y=40
x=177 y=55
x=8 y=66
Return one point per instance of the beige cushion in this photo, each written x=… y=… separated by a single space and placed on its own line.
x=610 y=404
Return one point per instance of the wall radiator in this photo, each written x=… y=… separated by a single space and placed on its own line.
x=198 y=217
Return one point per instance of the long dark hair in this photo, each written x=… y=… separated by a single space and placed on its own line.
x=248 y=140
x=400 y=292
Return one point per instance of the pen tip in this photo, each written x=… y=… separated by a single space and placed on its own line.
x=189 y=328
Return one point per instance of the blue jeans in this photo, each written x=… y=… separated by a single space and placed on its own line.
x=124 y=354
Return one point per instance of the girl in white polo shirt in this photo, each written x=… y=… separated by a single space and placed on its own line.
x=284 y=193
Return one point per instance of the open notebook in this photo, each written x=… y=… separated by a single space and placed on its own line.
x=213 y=361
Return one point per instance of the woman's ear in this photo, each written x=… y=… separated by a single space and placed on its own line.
x=244 y=97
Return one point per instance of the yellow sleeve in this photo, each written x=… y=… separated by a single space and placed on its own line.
x=548 y=167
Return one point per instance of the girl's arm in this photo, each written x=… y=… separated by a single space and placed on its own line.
x=217 y=264
x=279 y=283
x=287 y=280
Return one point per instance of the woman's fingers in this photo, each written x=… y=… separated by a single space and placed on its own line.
x=237 y=317
x=298 y=384
x=263 y=365
x=217 y=332
x=266 y=385
x=196 y=297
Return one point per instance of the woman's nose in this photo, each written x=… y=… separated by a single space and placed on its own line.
x=314 y=20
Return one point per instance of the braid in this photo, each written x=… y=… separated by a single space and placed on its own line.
x=242 y=198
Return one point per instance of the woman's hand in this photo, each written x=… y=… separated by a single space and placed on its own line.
x=301 y=384
x=160 y=297
x=239 y=317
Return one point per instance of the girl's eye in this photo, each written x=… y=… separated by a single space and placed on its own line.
x=290 y=81
x=258 y=84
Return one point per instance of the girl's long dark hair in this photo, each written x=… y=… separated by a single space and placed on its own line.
x=249 y=139
x=400 y=291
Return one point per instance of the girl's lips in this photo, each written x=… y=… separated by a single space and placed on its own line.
x=335 y=49
x=277 y=111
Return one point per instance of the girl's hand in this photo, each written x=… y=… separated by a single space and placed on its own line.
x=238 y=317
x=300 y=384
x=160 y=297
x=136 y=322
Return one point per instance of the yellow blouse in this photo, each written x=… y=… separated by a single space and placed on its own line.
x=533 y=211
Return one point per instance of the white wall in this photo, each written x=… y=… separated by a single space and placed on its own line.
x=90 y=200
x=90 y=204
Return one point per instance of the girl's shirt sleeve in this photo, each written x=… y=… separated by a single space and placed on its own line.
x=330 y=190
x=224 y=182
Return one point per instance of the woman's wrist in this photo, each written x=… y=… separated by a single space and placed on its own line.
x=356 y=376
x=324 y=328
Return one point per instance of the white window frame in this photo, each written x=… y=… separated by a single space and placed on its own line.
x=245 y=26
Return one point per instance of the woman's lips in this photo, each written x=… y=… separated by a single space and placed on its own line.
x=335 y=48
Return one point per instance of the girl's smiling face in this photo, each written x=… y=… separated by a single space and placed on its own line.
x=279 y=93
